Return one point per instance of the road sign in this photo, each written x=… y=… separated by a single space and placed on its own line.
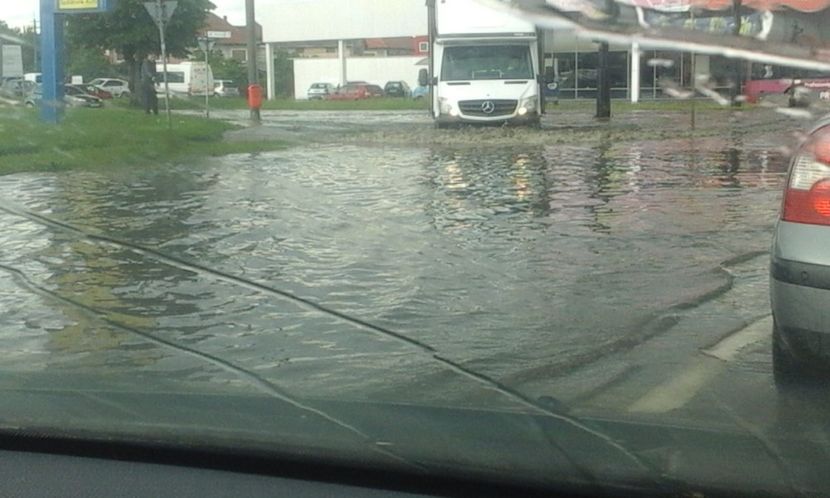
x=161 y=12
x=81 y=6
x=206 y=44
x=222 y=35
x=11 y=61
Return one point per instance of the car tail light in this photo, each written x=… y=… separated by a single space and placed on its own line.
x=807 y=198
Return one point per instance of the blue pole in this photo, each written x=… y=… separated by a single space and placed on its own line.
x=51 y=50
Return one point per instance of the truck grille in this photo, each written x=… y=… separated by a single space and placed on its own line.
x=499 y=107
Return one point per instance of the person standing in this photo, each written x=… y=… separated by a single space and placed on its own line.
x=148 y=85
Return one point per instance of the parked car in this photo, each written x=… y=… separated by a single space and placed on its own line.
x=351 y=91
x=117 y=87
x=800 y=263
x=16 y=88
x=320 y=91
x=192 y=78
x=397 y=89
x=225 y=88
x=96 y=91
x=374 y=91
x=420 y=92
x=33 y=97
x=74 y=96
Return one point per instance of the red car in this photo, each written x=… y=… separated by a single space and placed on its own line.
x=356 y=91
x=92 y=90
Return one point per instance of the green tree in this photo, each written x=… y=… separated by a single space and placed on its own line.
x=89 y=63
x=30 y=49
x=130 y=30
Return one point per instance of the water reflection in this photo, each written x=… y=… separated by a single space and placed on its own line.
x=513 y=260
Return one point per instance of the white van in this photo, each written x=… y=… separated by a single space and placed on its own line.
x=485 y=64
x=192 y=78
x=33 y=77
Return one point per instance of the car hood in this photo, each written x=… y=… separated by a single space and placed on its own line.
x=541 y=445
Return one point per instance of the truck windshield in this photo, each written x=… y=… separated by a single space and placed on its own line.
x=486 y=62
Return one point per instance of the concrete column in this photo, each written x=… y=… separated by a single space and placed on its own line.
x=269 y=70
x=341 y=55
x=635 y=73
x=701 y=65
x=51 y=49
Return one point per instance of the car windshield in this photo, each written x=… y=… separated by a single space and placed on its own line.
x=485 y=62
x=559 y=245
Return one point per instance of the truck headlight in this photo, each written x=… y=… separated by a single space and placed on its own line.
x=527 y=105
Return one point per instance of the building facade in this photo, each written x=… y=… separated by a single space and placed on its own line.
x=358 y=29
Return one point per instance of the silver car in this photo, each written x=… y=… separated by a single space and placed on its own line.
x=320 y=91
x=117 y=87
x=800 y=263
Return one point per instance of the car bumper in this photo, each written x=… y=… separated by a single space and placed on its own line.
x=800 y=290
x=526 y=119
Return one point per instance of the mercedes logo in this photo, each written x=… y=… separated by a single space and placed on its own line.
x=487 y=107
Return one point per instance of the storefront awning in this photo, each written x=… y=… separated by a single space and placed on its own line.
x=684 y=5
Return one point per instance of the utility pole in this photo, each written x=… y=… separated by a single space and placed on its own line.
x=736 y=88
x=253 y=77
x=161 y=11
x=161 y=5
x=35 y=65
x=603 y=83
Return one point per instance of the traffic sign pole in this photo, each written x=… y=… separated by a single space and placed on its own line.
x=161 y=12
x=206 y=44
x=161 y=22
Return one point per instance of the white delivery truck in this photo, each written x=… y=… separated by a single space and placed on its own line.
x=193 y=78
x=484 y=65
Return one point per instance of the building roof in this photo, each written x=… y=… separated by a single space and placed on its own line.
x=13 y=39
x=239 y=34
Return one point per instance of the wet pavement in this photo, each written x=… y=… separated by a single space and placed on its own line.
x=475 y=267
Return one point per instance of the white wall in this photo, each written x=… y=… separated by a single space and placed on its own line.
x=303 y=20
x=377 y=70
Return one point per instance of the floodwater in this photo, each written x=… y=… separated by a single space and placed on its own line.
x=367 y=271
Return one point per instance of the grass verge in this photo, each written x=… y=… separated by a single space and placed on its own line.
x=109 y=138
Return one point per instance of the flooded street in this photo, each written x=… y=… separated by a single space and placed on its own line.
x=425 y=272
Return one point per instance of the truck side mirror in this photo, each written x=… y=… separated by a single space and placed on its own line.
x=550 y=76
x=423 y=77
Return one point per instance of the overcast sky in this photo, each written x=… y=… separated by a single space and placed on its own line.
x=20 y=12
